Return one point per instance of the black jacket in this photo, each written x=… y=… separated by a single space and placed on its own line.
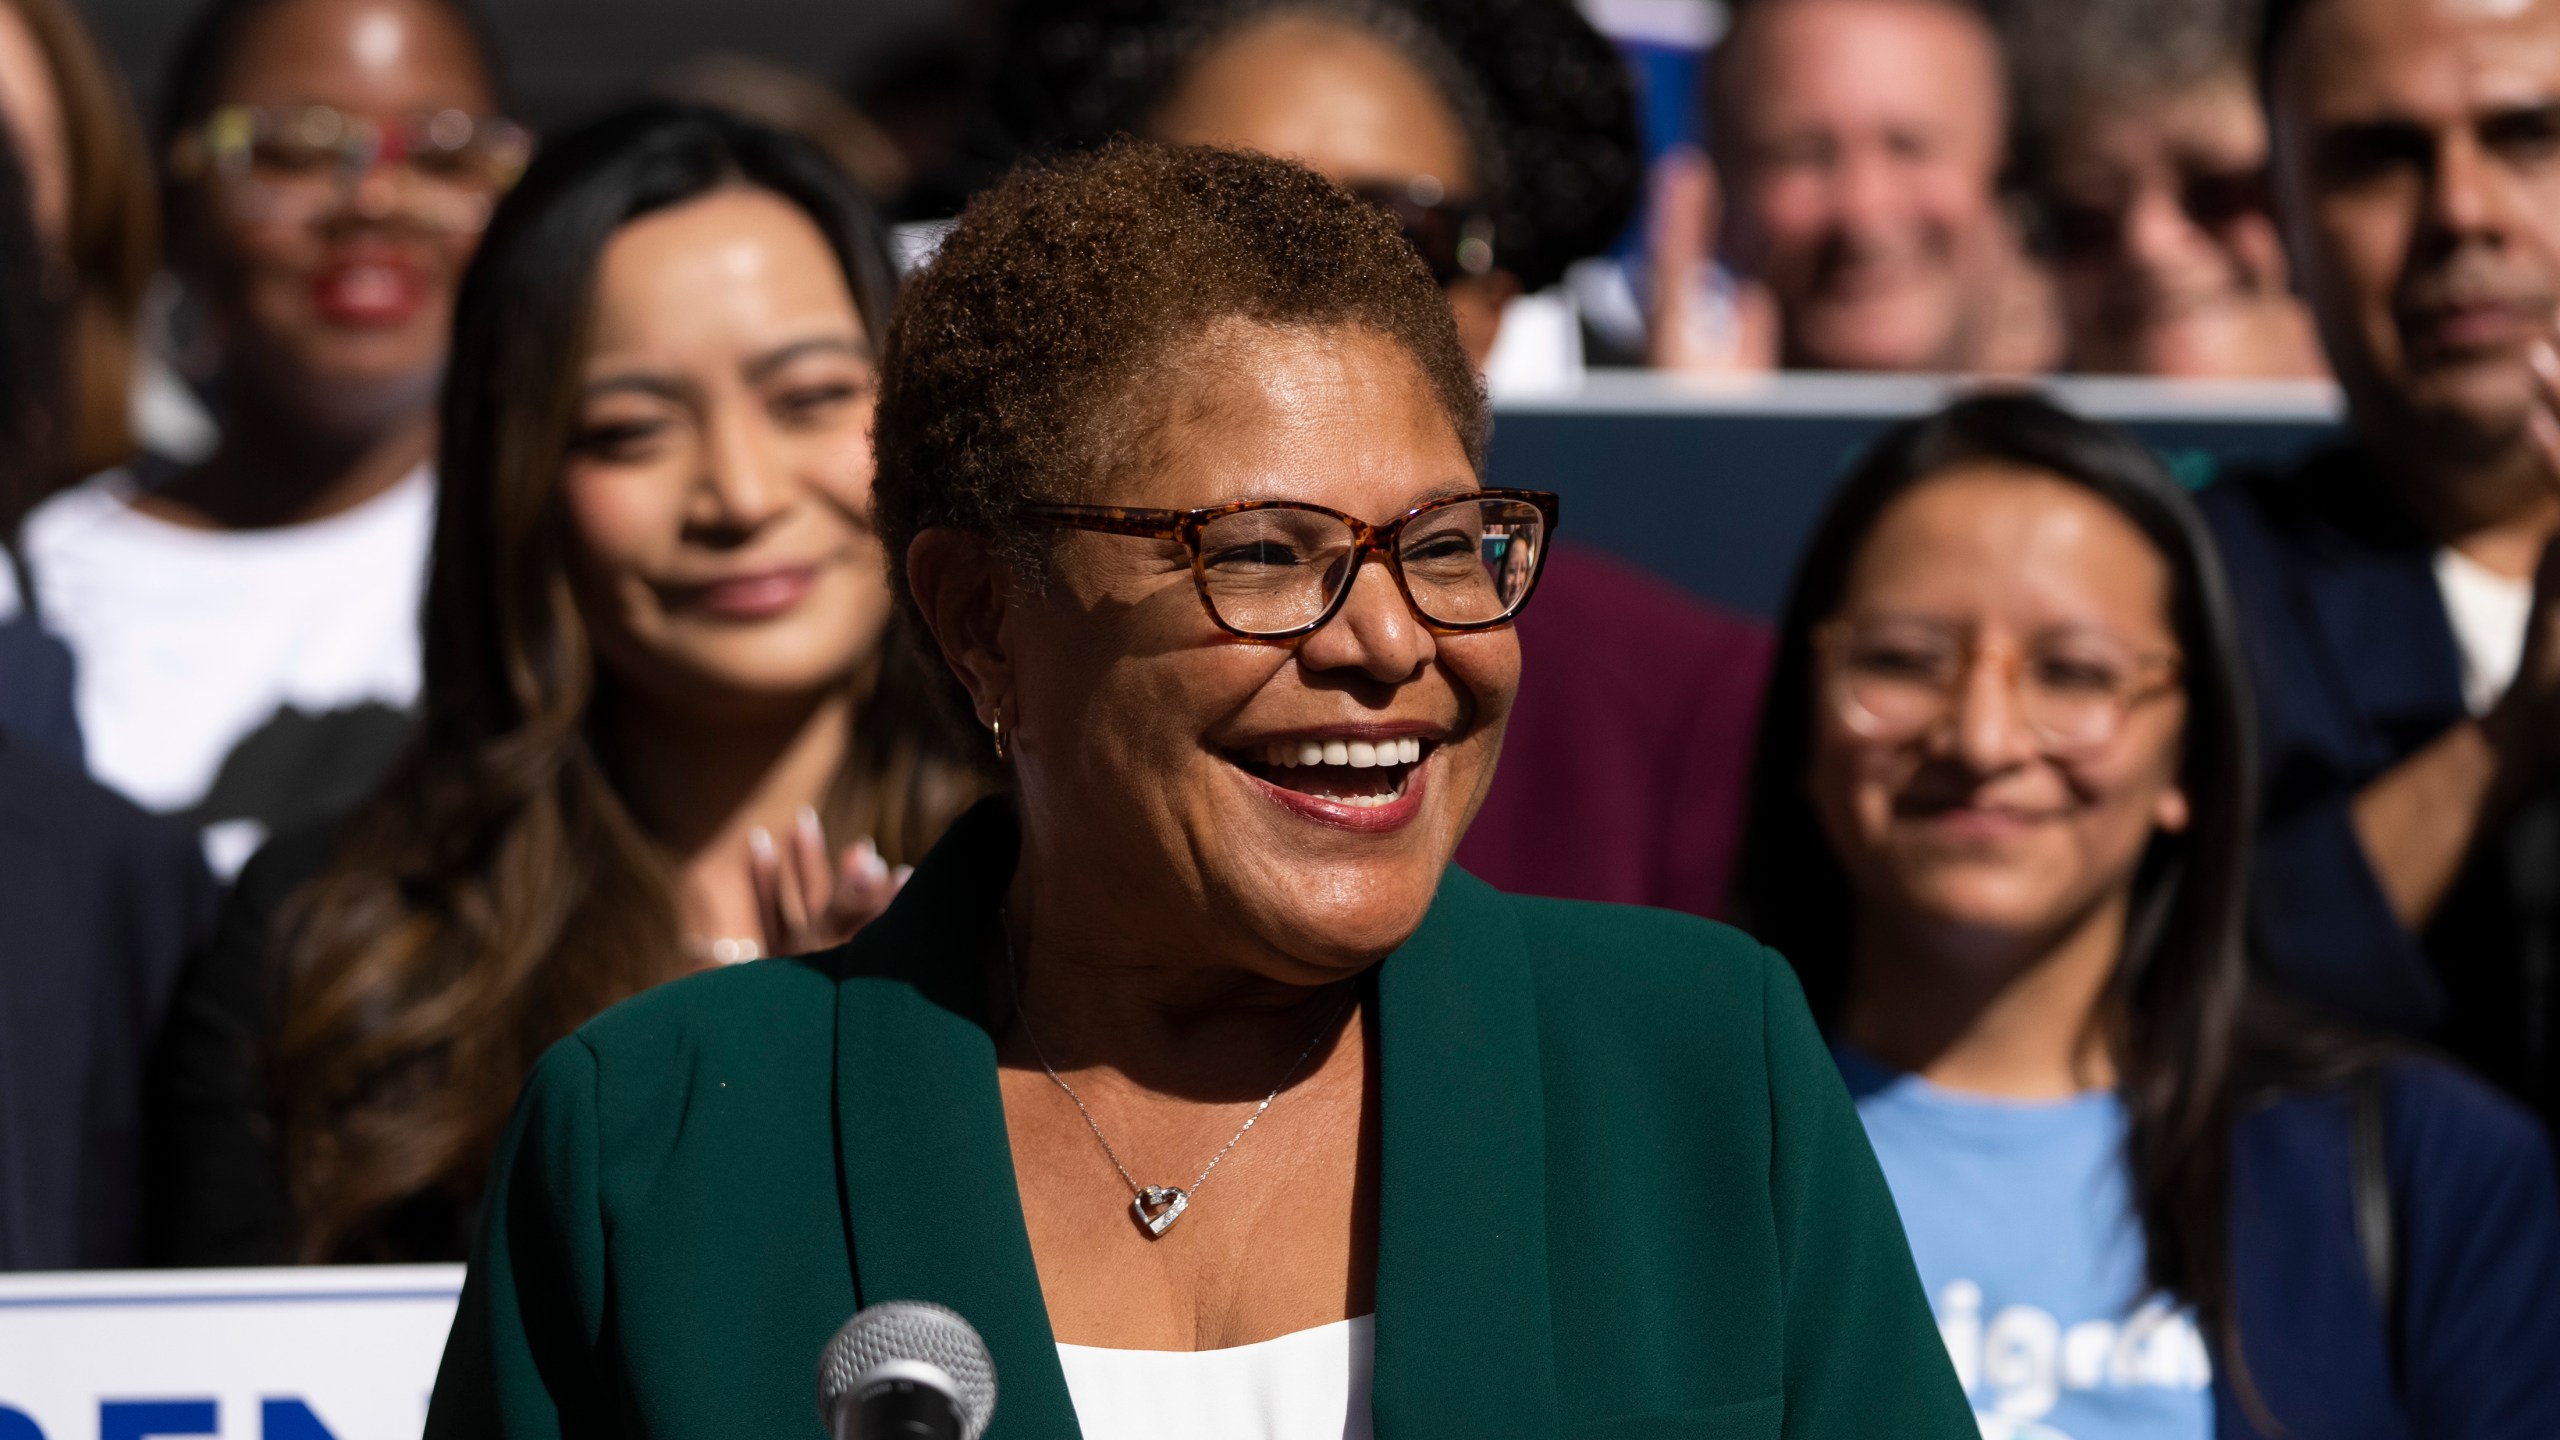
x=2356 y=669
x=99 y=905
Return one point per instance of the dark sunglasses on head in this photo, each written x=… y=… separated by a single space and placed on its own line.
x=1454 y=236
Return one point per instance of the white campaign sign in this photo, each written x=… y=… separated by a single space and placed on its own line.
x=345 y=1353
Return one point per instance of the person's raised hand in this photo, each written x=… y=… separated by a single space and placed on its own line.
x=809 y=902
x=1696 y=321
x=2527 y=717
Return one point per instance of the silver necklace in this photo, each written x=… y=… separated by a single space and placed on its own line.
x=1157 y=1206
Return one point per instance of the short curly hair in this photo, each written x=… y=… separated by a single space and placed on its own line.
x=1015 y=360
x=1546 y=102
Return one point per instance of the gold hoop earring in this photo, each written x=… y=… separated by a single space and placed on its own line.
x=1003 y=751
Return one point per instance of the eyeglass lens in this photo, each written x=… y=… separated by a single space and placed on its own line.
x=2213 y=201
x=1454 y=240
x=1898 y=679
x=1274 y=570
x=297 y=165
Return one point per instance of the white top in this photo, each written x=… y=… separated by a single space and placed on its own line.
x=2489 y=612
x=191 y=642
x=1538 y=351
x=1313 y=1385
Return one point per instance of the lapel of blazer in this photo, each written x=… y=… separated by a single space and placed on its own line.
x=1465 y=1337
x=2371 y=588
x=931 y=1211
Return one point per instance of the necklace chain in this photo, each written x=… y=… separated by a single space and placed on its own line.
x=1142 y=1195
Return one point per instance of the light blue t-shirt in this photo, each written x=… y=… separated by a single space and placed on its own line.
x=2021 y=1219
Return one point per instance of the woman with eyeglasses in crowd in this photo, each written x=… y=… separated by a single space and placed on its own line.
x=2001 y=826
x=1501 y=137
x=246 y=626
x=664 y=724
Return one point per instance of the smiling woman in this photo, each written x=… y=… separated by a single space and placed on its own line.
x=655 y=641
x=2002 y=823
x=1189 y=1071
x=246 y=626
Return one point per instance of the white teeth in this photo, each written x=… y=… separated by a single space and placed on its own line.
x=1354 y=754
x=1365 y=802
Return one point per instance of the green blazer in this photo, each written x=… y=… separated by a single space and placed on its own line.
x=1623 y=1192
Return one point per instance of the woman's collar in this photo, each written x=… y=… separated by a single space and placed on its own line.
x=1465 y=1341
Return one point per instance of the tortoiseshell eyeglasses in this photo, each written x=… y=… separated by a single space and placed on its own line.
x=1279 y=569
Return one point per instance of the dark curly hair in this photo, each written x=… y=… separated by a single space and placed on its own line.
x=1544 y=100
x=1015 y=357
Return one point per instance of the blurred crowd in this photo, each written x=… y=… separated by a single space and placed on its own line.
x=441 y=600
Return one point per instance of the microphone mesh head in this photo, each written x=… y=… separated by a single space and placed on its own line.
x=910 y=1330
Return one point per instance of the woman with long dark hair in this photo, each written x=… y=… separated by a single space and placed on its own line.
x=656 y=639
x=2001 y=827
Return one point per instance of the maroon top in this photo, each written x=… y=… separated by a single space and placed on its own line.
x=1625 y=768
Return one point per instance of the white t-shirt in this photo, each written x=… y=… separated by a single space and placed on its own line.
x=243 y=680
x=1313 y=1385
x=2489 y=612
x=1537 y=354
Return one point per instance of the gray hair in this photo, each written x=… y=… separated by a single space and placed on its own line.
x=2069 y=58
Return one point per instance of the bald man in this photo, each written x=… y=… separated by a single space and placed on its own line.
x=2401 y=594
x=1857 y=147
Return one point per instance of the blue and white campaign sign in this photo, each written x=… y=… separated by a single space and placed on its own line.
x=306 y=1354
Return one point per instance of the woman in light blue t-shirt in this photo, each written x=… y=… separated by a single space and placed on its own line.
x=2002 y=827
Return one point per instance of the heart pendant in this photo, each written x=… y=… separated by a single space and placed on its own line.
x=1157 y=1207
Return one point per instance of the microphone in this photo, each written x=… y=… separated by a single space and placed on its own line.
x=906 y=1370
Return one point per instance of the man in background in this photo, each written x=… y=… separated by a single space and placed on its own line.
x=2402 y=593
x=1854 y=199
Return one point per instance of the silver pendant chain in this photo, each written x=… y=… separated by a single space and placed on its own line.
x=1157 y=1206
